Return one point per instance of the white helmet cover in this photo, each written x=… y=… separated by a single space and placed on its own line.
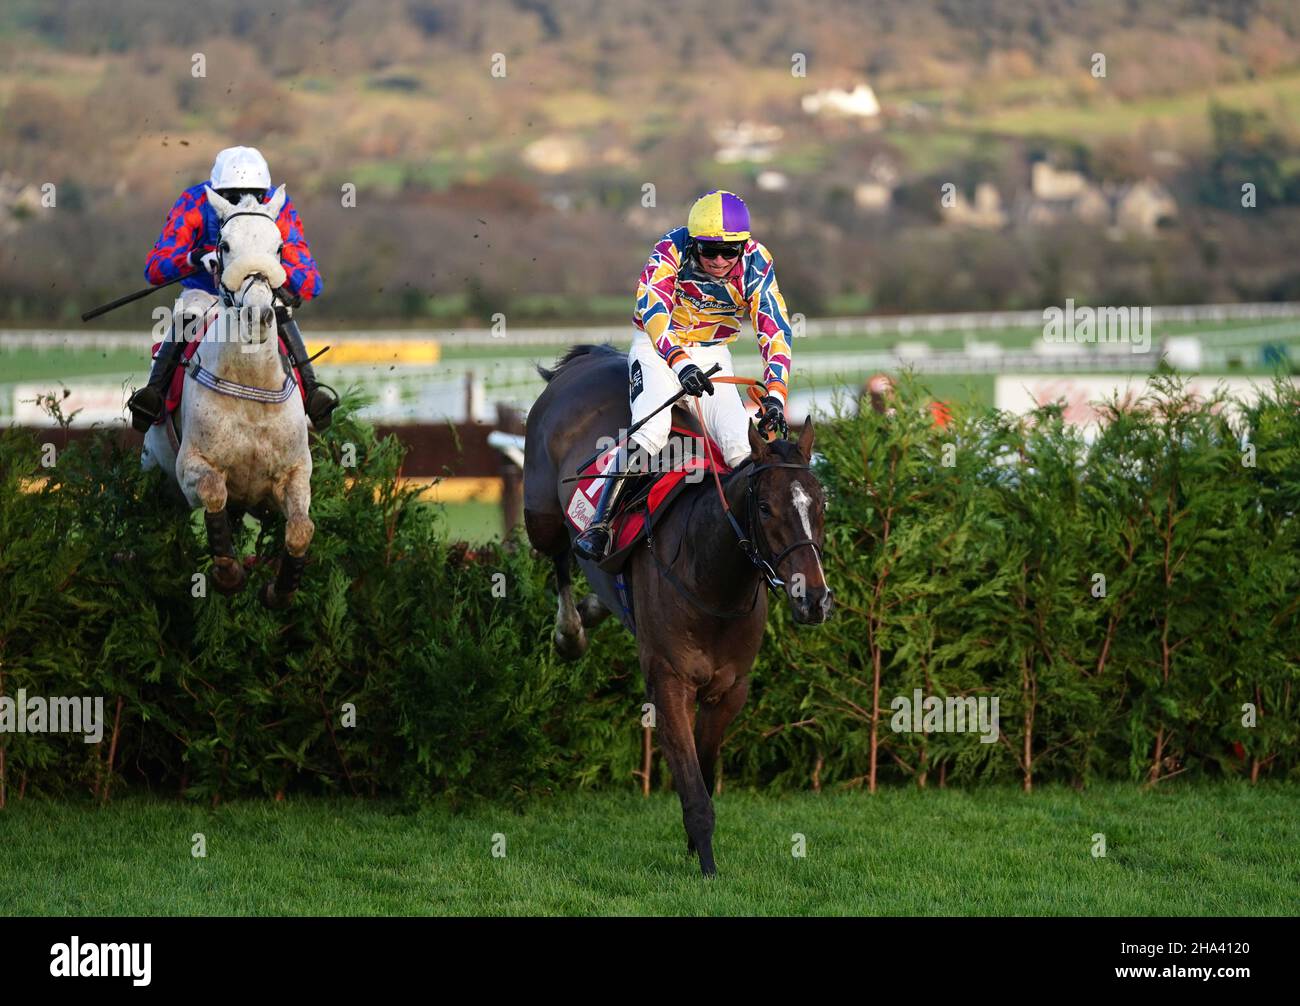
x=240 y=168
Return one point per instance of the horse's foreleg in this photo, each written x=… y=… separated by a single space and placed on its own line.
x=298 y=532
x=570 y=639
x=203 y=483
x=673 y=705
x=711 y=726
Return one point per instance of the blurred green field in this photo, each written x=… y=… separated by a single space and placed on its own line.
x=25 y=364
x=471 y=521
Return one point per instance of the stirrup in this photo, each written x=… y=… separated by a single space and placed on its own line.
x=144 y=416
x=582 y=544
x=324 y=407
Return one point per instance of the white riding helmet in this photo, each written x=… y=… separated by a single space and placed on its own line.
x=240 y=168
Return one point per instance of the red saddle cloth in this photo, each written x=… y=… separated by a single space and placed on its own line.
x=629 y=524
x=173 y=400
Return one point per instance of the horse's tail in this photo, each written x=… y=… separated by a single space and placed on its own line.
x=575 y=353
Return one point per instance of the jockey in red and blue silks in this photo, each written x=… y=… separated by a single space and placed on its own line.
x=188 y=244
x=192 y=227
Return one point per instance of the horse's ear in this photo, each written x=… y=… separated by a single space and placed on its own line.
x=806 y=439
x=756 y=441
x=277 y=203
x=222 y=205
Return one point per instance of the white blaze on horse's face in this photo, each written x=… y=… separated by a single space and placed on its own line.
x=802 y=501
x=250 y=259
x=803 y=505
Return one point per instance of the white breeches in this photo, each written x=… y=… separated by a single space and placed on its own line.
x=725 y=418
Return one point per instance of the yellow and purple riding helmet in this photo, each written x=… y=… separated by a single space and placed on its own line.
x=719 y=216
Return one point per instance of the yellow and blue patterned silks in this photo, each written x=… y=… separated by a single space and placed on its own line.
x=679 y=306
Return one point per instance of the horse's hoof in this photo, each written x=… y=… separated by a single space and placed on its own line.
x=708 y=870
x=272 y=600
x=228 y=575
x=570 y=647
x=591 y=611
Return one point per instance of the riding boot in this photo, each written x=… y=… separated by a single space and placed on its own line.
x=593 y=543
x=320 y=398
x=147 y=403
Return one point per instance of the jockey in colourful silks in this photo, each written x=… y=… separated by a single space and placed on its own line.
x=701 y=282
x=188 y=243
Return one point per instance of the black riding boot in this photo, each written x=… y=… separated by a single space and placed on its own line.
x=147 y=403
x=321 y=399
x=593 y=543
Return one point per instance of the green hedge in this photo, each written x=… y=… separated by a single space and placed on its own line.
x=964 y=562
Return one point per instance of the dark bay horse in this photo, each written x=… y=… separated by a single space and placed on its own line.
x=698 y=595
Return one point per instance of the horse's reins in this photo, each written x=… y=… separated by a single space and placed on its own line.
x=768 y=568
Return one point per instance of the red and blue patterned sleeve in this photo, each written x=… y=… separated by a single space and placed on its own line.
x=303 y=276
x=656 y=295
x=771 y=322
x=182 y=229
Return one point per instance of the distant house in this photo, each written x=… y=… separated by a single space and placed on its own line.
x=860 y=102
x=1058 y=196
x=874 y=197
x=745 y=141
x=985 y=212
x=876 y=193
x=1142 y=207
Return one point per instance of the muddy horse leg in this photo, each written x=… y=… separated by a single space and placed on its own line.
x=298 y=532
x=711 y=726
x=198 y=478
x=547 y=533
x=673 y=708
x=570 y=638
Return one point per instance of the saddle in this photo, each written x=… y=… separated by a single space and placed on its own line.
x=645 y=502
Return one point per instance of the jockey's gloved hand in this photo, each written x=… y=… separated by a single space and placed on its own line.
x=205 y=257
x=771 y=416
x=694 y=380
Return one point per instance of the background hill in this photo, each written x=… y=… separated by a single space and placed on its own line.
x=525 y=193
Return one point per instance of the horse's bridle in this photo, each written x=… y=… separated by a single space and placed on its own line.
x=751 y=549
x=228 y=296
x=766 y=567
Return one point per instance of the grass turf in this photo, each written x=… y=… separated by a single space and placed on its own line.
x=1214 y=849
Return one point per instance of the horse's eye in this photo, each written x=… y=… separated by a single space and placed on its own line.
x=225 y=246
x=764 y=509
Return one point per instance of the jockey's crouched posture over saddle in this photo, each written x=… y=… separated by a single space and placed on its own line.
x=190 y=242
x=700 y=283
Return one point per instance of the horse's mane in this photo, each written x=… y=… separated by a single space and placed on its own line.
x=577 y=353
